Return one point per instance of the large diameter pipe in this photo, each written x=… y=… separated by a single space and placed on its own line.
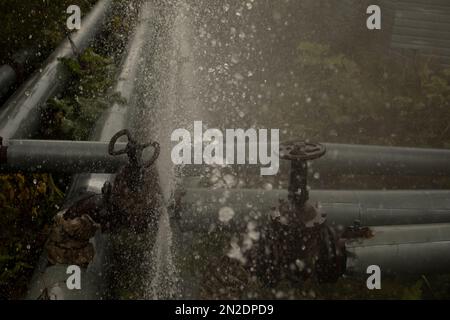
x=113 y=120
x=200 y=207
x=19 y=117
x=61 y=156
x=362 y=160
x=117 y=117
x=14 y=71
x=379 y=160
x=399 y=250
x=7 y=79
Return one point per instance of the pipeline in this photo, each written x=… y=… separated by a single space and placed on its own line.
x=343 y=159
x=379 y=160
x=8 y=78
x=199 y=208
x=417 y=249
x=52 y=278
x=69 y=157
x=19 y=117
x=14 y=71
x=402 y=232
x=405 y=232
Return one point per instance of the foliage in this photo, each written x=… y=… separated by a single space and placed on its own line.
x=346 y=100
x=73 y=116
x=38 y=24
x=27 y=203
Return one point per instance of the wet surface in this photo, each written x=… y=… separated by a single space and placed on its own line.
x=229 y=66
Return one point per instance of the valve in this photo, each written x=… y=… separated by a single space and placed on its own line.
x=134 y=151
x=297 y=244
x=131 y=200
x=299 y=153
x=134 y=199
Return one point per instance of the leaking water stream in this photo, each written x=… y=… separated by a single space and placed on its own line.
x=229 y=65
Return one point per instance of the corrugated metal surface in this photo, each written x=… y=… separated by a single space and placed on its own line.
x=421 y=26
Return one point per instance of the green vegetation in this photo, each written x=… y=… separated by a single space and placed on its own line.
x=28 y=202
x=38 y=24
x=346 y=88
x=343 y=100
x=73 y=116
x=360 y=96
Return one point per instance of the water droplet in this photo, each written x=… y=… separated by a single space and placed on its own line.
x=268 y=186
x=300 y=264
x=226 y=214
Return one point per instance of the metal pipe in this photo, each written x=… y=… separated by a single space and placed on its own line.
x=416 y=249
x=62 y=156
x=7 y=79
x=117 y=117
x=200 y=207
x=364 y=160
x=19 y=118
x=379 y=160
x=15 y=70
x=113 y=120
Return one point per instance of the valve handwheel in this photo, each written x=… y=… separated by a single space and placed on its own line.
x=301 y=150
x=133 y=149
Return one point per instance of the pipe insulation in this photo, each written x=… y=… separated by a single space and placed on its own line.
x=399 y=250
x=61 y=156
x=200 y=207
x=19 y=117
x=8 y=78
x=15 y=70
x=357 y=159
x=113 y=120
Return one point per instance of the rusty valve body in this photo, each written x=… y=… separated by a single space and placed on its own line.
x=133 y=201
x=130 y=201
x=297 y=243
